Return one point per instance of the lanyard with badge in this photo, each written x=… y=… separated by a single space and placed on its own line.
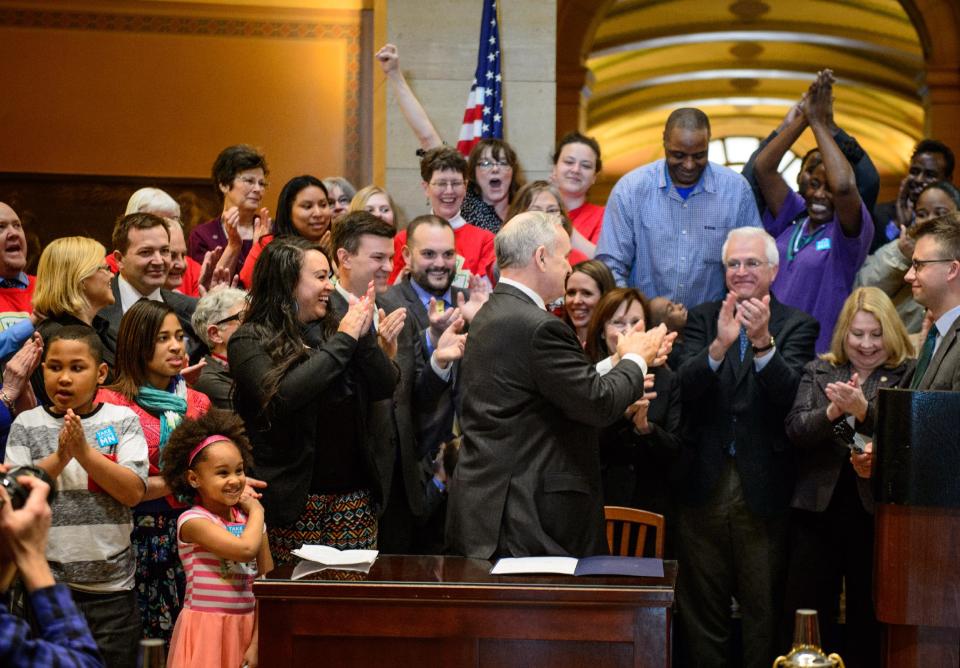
x=799 y=241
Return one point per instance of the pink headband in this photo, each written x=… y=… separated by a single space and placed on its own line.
x=216 y=438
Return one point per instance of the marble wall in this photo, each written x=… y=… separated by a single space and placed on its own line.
x=437 y=42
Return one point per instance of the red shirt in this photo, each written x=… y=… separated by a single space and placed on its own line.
x=474 y=244
x=246 y=272
x=17 y=301
x=588 y=218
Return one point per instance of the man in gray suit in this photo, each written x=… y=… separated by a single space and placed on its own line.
x=141 y=246
x=934 y=277
x=528 y=479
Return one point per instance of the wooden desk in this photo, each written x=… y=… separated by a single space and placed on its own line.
x=449 y=611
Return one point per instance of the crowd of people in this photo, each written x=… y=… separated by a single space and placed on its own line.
x=709 y=346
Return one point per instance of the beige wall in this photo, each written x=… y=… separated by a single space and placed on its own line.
x=438 y=42
x=155 y=89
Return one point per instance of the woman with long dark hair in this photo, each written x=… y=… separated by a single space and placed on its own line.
x=304 y=209
x=150 y=356
x=304 y=381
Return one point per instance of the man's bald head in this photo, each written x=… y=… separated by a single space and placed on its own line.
x=13 y=243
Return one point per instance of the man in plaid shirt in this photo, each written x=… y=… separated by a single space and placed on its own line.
x=66 y=640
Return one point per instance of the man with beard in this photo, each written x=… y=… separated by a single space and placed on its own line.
x=931 y=161
x=363 y=245
x=665 y=222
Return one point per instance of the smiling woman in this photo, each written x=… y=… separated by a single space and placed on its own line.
x=150 y=356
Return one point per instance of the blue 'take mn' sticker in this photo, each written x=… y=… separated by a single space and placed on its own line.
x=107 y=437
x=823 y=244
x=236 y=529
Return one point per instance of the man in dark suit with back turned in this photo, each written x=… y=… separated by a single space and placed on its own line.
x=141 y=246
x=528 y=479
x=743 y=358
x=934 y=278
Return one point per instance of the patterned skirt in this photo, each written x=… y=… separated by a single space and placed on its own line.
x=160 y=579
x=344 y=521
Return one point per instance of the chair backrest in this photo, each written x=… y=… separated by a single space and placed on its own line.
x=627 y=531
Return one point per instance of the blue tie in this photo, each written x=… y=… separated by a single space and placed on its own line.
x=926 y=354
x=744 y=342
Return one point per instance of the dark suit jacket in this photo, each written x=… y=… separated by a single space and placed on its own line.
x=433 y=426
x=182 y=305
x=528 y=478
x=391 y=432
x=819 y=456
x=943 y=372
x=737 y=404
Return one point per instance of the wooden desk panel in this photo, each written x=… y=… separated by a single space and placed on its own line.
x=448 y=611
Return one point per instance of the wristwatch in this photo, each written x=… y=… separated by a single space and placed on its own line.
x=757 y=351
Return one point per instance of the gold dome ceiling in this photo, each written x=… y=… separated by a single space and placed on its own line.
x=744 y=62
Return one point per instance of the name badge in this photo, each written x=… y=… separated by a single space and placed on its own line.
x=236 y=529
x=823 y=244
x=106 y=437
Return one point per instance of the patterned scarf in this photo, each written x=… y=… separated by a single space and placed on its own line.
x=169 y=406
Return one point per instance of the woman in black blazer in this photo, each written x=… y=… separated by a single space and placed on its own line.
x=303 y=383
x=831 y=522
x=640 y=455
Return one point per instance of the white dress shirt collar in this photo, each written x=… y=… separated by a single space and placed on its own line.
x=347 y=296
x=129 y=295
x=537 y=299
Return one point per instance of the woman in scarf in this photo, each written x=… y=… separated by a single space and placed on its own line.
x=150 y=356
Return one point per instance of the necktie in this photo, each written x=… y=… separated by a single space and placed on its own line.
x=926 y=354
x=744 y=342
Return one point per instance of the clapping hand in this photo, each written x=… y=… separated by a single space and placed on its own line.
x=754 y=316
x=848 y=397
x=262 y=222
x=72 y=442
x=440 y=318
x=479 y=294
x=389 y=329
x=863 y=464
x=451 y=344
x=20 y=367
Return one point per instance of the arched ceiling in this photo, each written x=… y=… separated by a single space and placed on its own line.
x=745 y=62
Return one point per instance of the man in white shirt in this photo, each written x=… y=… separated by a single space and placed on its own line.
x=141 y=247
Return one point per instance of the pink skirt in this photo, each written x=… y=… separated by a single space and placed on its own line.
x=210 y=639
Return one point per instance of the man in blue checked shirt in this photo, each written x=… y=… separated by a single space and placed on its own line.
x=65 y=640
x=665 y=222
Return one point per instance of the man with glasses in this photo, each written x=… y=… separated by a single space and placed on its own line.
x=934 y=277
x=444 y=174
x=740 y=368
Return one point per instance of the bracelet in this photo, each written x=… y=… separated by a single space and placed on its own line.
x=6 y=400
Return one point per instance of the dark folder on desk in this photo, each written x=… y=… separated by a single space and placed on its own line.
x=635 y=566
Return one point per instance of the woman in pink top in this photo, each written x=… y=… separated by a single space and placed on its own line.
x=222 y=543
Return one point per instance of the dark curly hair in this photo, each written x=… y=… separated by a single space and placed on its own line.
x=188 y=435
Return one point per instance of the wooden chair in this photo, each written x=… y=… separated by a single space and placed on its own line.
x=627 y=531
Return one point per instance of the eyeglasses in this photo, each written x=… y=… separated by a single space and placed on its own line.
x=251 y=182
x=230 y=318
x=443 y=185
x=490 y=164
x=343 y=199
x=105 y=267
x=919 y=264
x=734 y=265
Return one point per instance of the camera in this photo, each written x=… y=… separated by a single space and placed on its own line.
x=18 y=493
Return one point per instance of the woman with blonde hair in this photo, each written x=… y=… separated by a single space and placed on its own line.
x=73 y=283
x=831 y=524
x=377 y=201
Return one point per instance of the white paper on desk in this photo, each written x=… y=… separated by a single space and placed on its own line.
x=305 y=568
x=518 y=565
x=331 y=556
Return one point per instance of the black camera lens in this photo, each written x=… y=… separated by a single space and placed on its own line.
x=18 y=493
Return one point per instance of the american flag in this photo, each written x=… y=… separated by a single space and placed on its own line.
x=484 y=114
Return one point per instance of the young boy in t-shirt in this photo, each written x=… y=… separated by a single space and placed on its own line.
x=97 y=454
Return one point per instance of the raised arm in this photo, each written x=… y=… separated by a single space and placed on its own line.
x=410 y=106
x=773 y=188
x=818 y=108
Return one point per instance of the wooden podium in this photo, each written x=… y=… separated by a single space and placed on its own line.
x=449 y=611
x=917 y=552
